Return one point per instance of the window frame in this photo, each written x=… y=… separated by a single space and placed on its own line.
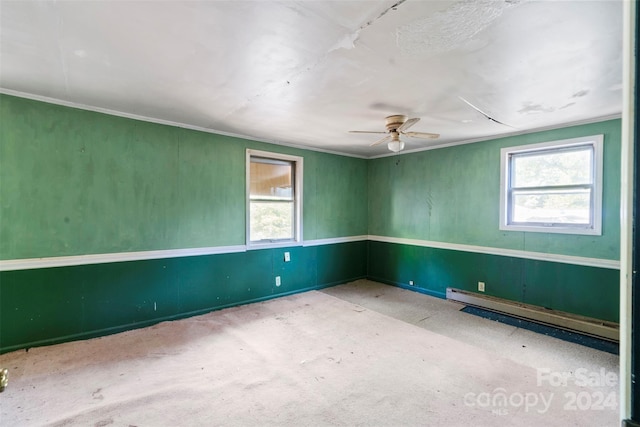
x=297 y=195
x=595 y=227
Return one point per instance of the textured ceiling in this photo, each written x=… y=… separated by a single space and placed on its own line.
x=307 y=72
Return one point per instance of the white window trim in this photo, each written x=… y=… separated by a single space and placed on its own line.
x=297 y=229
x=596 y=228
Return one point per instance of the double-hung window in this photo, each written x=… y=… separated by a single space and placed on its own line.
x=274 y=189
x=553 y=187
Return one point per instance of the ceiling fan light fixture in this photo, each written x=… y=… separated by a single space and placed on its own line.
x=395 y=146
x=397 y=125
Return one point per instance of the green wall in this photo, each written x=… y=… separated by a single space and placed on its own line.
x=451 y=195
x=577 y=289
x=46 y=306
x=76 y=182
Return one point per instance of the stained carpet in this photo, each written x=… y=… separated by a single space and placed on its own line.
x=308 y=359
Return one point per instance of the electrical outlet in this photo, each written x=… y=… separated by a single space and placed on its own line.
x=277 y=280
x=411 y=282
x=287 y=257
x=481 y=286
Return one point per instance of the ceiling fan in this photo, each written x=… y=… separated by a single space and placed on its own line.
x=397 y=125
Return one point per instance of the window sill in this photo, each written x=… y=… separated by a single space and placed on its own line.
x=270 y=245
x=557 y=230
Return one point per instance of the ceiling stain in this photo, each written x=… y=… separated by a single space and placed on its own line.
x=349 y=40
x=451 y=28
x=567 y=105
x=531 y=108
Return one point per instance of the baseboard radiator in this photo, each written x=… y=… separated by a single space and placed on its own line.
x=582 y=324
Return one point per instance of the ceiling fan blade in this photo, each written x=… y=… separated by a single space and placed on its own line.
x=364 y=131
x=406 y=125
x=423 y=135
x=381 y=140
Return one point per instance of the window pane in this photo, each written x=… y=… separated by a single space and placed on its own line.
x=271 y=180
x=557 y=208
x=566 y=167
x=274 y=187
x=271 y=220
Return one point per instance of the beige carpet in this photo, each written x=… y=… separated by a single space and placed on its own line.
x=308 y=359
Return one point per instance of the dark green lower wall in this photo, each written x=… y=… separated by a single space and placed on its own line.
x=51 y=305
x=587 y=291
x=46 y=306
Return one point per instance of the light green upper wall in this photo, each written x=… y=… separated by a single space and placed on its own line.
x=76 y=182
x=452 y=195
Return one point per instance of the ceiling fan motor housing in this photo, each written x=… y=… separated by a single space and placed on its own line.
x=395 y=121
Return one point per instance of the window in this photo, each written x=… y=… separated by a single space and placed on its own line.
x=274 y=189
x=553 y=187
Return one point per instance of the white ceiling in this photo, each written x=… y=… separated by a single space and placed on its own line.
x=306 y=72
